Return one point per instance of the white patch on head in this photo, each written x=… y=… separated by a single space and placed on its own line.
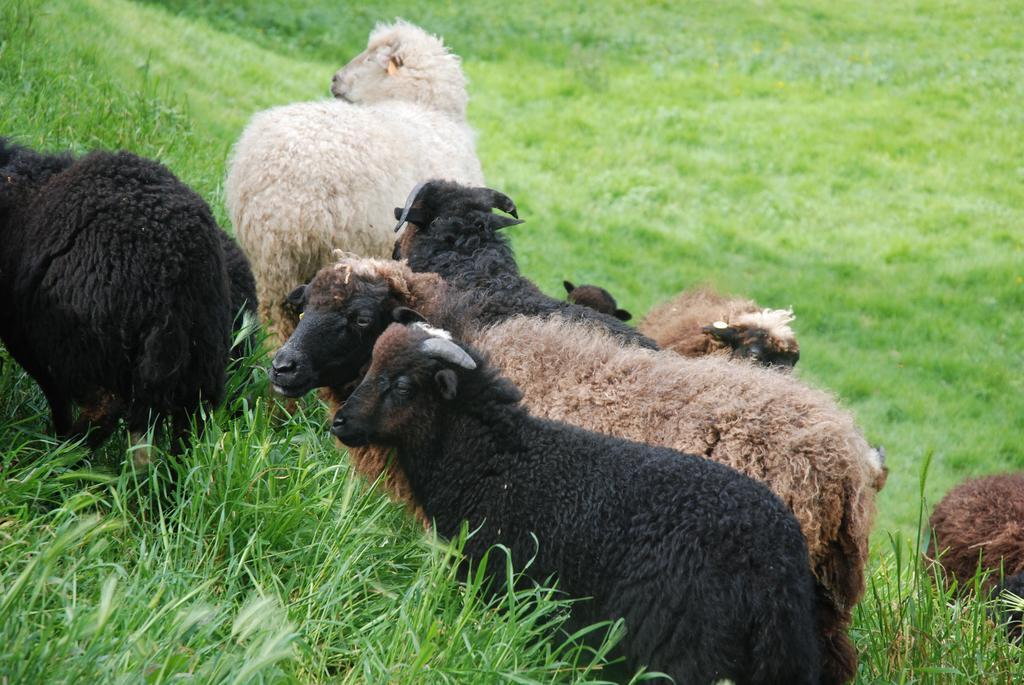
x=434 y=332
x=774 y=321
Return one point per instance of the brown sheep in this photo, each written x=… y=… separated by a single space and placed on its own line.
x=597 y=298
x=980 y=523
x=701 y=321
x=766 y=425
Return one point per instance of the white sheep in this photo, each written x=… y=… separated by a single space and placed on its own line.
x=310 y=177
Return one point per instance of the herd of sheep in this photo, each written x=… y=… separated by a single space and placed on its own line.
x=675 y=474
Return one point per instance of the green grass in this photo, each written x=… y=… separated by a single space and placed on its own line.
x=860 y=162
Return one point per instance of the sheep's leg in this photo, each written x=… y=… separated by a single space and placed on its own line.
x=60 y=410
x=181 y=429
x=143 y=431
x=97 y=420
x=142 y=446
x=56 y=397
x=843 y=566
x=839 y=656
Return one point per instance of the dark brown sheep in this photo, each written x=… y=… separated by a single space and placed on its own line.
x=980 y=523
x=700 y=322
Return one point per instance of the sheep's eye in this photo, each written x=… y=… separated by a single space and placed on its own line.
x=364 y=320
x=403 y=386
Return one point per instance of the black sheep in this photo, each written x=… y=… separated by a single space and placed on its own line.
x=452 y=232
x=707 y=568
x=114 y=287
x=1012 y=617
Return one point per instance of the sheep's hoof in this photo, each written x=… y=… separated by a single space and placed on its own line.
x=142 y=451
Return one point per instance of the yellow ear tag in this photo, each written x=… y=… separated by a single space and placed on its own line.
x=301 y=314
x=720 y=325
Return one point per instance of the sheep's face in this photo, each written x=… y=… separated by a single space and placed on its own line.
x=443 y=216
x=404 y=62
x=756 y=343
x=342 y=314
x=398 y=399
x=596 y=298
x=418 y=374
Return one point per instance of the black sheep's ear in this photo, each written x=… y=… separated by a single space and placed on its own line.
x=623 y=315
x=297 y=297
x=720 y=330
x=447 y=383
x=406 y=316
x=415 y=215
x=569 y=287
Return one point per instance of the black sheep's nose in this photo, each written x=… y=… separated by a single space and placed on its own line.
x=284 y=361
x=342 y=430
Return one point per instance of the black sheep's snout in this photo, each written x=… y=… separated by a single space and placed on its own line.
x=284 y=362
x=287 y=373
x=344 y=430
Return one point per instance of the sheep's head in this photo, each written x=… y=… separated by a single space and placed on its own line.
x=597 y=298
x=343 y=310
x=444 y=216
x=763 y=337
x=417 y=371
x=404 y=62
x=8 y=151
x=22 y=170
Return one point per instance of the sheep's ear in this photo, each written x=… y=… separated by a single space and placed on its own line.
x=569 y=287
x=415 y=215
x=447 y=383
x=382 y=55
x=394 y=62
x=623 y=315
x=720 y=330
x=297 y=297
x=406 y=316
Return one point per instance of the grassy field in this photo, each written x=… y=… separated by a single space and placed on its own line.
x=864 y=164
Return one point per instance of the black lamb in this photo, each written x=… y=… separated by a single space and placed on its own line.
x=707 y=568
x=453 y=232
x=115 y=289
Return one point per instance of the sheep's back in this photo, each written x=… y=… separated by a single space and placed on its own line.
x=316 y=176
x=770 y=427
x=119 y=261
x=980 y=520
